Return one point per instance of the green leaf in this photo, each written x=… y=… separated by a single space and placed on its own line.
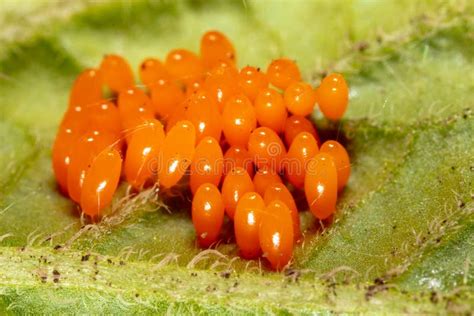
x=402 y=239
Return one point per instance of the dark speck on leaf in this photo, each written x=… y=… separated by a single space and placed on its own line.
x=374 y=289
x=362 y=46
x=43 y=277
x=379 y=281
x=225 y=274
x=85 y=257
x=57 y=247
x=56 y=276
x=293 y=274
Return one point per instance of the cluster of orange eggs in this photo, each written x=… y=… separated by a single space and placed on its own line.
x=191 y=110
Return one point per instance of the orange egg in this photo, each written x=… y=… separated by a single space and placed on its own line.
x=61 y=153
x=251 y=81
x=282 y=72
x=83 y=152
x=300 y=98
x=76 y=116
x=276 y=234
x=177 y=153
x=116 y=73
x=207 y=165
x=270 y=109
x=263 y=178
x=207 y=214
x=183 y=64
x=296 y=124
x=215 y=48
x=222 y=83
x=193 y=85
x=320 y=185
x=166 y=95
x=152 y=71
x=131 y=98
x=86 y=89
x=72 y=126
x=105 y=116
x=203 y=111
x=341 y=159
x=179 y=114
x=238 y=156
x=134 y=108
x=302 y=149
x=278 y=191
x=247 y=219
x=100 y=182
x=238 y=119
x=235 y=185
x=143 y=149
x=266 y=148
x=333 y=96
